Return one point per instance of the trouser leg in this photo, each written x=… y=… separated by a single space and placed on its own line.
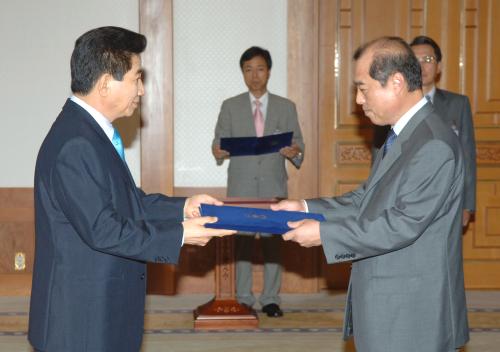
x=271 y=247
x=243 y=256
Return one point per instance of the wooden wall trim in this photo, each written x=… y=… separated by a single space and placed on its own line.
x=303 y=78
x=157 y=132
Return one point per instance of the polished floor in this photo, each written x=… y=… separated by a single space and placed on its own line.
x=311 y=322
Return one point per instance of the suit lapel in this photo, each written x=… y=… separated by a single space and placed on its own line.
x=271 y=116
x=87 y=120
x=439 y=103
x=246 y=114
x=381 y=165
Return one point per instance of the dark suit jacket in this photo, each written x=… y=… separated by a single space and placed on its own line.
x=402 y=229
x=94 y=231
x=455 y=110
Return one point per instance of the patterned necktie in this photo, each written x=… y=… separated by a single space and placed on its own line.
x=258 y=119
x=391 y=137
x=118 y=144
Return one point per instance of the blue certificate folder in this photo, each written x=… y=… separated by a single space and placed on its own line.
x=239 y=146
x=254 y=219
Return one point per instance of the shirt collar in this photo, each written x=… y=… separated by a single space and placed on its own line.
x=431 y=93
x=403 y=120
x=101 y=120
x=263 y=99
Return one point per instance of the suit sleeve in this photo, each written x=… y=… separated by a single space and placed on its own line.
x=293 y=125
x=222 y=128
x=83 y=191
x=160 y=207
x=468 y=143
x=353 y=231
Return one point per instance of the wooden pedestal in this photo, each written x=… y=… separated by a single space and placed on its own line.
x=223 y=311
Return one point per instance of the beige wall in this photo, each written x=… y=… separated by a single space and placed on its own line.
x=37 y=38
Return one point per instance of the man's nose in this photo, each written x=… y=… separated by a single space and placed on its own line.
x=360 y=99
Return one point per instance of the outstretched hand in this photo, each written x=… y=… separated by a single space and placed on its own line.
x=196 y=233
x=192 y=205
x=304 y=232
x=290 y=205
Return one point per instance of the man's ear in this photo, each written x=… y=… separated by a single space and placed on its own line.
x=397 y=81
x=103 y=84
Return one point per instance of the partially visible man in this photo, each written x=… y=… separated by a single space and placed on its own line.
x=401 y=228
x=258 y=113
x=455 y=109
x=94 y=229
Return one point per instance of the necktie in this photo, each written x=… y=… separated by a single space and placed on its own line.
x=428 y=97
x=258 y=119
x=118 y=144
x=391 y=137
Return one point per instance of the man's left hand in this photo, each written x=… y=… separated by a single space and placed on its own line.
x=192 y=205
x=290 y=152
x=466 y=214
x=305 y=233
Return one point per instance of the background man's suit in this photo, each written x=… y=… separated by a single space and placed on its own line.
x=105 y=229
x=402 y=230
x=261 y=176
x=455 y=110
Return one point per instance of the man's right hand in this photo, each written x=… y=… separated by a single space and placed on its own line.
x=197 y=234
x=219 y=154
x=290 y=205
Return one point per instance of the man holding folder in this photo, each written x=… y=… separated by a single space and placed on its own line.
x=258 y=113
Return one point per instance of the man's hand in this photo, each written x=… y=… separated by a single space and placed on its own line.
x=290 y=152
x=305 y=233
x=290 y=205
x=197 y=234
x=466 y=214
x=219 y=154
x=192 y=205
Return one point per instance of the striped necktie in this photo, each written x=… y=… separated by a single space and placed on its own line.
x=391 y=137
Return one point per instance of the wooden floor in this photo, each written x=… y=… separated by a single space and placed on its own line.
x=311 y=322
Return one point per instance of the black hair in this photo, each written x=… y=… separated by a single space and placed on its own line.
x=254 y=51
x=103 y=50
x=392 y=55
x=423 y=40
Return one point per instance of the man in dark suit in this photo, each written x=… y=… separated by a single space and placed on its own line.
x=94 y=228
x=257 y=113
x=455 y=109
x=401 y=228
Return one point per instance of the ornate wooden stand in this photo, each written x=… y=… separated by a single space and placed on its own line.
x=224 y=311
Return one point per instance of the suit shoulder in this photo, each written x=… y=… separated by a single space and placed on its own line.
x=452 y=95
x=236 y=99
x=280 y=100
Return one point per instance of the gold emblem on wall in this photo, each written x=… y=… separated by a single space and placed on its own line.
x=20 y=261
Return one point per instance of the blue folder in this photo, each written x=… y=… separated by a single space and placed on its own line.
x=239 y=146
x=254 y=219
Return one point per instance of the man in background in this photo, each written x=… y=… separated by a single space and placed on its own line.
x=401 y=228
x=94 y=229
x=258 y=113
x=455 y=109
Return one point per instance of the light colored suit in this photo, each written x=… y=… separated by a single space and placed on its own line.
x=262 y=176
x=402 y=229
x=455 y=110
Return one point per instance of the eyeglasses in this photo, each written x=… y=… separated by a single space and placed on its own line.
x=426 y=59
